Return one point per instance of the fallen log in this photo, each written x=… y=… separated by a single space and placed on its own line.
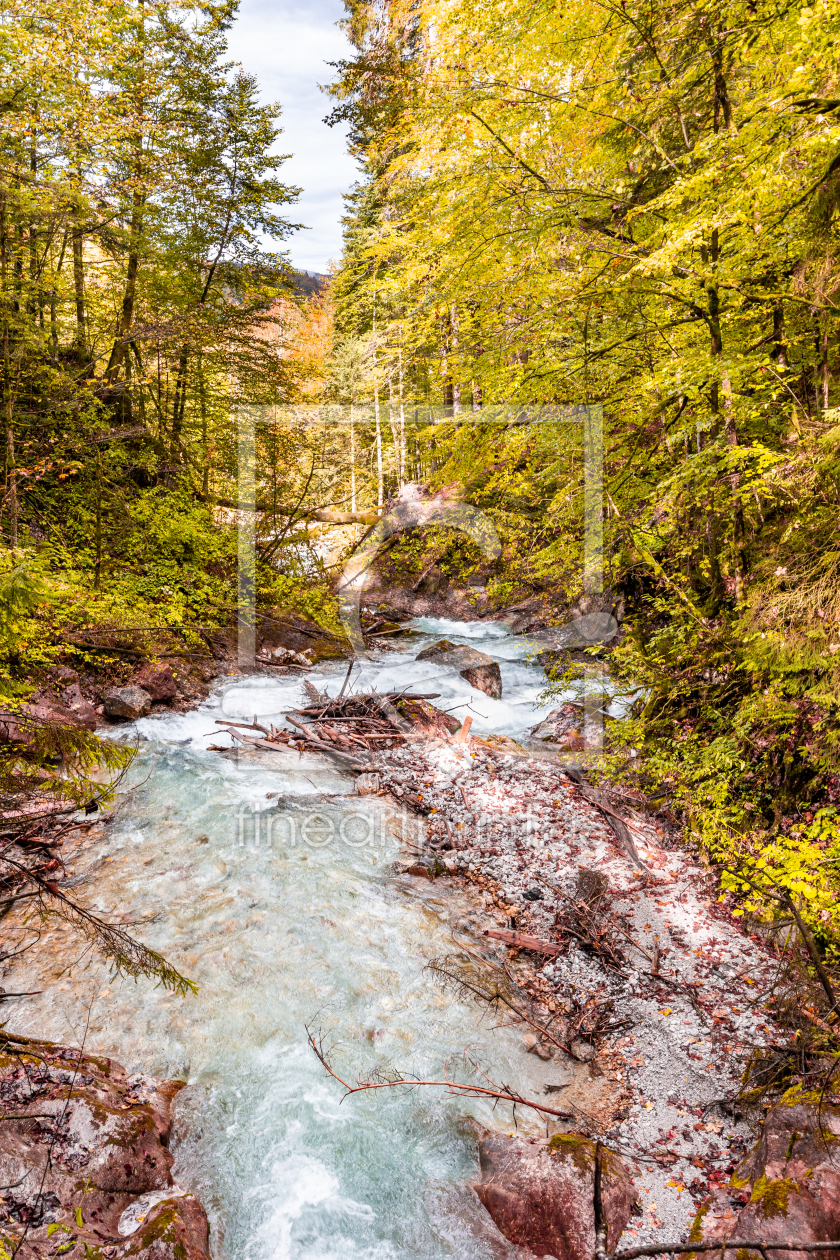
x=519 y=940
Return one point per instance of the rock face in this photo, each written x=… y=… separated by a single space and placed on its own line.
x=130 y=702
x=102 y=1138
x=789 y=1183
x=158 y=681
x=541 y=1195
x=23 y=726
x=480 y=670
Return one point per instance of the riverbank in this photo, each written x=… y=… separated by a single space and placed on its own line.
x=287 y=911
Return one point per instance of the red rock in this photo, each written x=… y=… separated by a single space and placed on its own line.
x=793 y=1180
x=108 y=1157
x=158 y=680
x=81 y=708
x=541 y=1195
x=424 y=872
x=23 y=726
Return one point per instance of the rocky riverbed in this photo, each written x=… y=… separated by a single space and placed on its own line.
x=643 y=1000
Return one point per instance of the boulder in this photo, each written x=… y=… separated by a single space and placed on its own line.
x=159 y=681
x=93 y=1160
x=541 y=1195
x=788 y=1187
x=480 y=670
x=562 y=726
x=130 y=702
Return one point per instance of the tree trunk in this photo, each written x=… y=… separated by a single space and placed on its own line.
x=8 y=402
x=402 y=426
x=205 y=448
x=119 y=351
x=79 y=281
x=352 y=460
x=456 y=387
x=97 y=578
x=179 y=404
x=779 y=348
x=730 y=428
x=380 y=480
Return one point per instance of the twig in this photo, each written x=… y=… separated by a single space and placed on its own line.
x=458 y=1088
x=722 y=1245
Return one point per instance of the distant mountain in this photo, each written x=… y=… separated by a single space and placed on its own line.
x=309 y=282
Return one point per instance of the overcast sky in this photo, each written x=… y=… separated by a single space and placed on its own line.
x=287 y=45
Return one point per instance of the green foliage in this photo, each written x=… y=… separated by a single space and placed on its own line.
x=635 y=207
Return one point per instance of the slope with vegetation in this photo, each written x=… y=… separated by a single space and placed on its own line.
x=634 y=207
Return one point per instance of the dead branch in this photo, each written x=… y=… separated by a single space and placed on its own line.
x=459 y=1089
x=722 y=1245
x=451 y=977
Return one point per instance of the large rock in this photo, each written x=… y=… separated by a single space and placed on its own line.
x=789 y=1184
x=93 y=1160
x=562 y=726
x=130 y=702
x=541 y=1195
x=480 y=670
x=159 y=681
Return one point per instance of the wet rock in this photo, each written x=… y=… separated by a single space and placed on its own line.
x=792 y=1178
x=479 y=670
x=285 y=656
x=92 y=1160
x=560 y=726
x=159 y=681
x=533 y=1045
x=421 y=869
x=540 y=1195
x=129 y=702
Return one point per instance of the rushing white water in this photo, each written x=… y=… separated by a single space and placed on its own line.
x=313 y=928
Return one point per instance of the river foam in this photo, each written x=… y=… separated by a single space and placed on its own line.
x=298 y=921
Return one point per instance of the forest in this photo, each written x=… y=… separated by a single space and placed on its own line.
x=612 y=204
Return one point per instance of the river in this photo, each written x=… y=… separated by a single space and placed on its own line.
x=313 y=928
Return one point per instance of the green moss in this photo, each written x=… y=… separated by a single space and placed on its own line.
x=163 y=1228
x=696 y=1234
x=772 y=1197
x=579 y=1149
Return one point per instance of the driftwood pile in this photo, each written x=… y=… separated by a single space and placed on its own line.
x=349 y=728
